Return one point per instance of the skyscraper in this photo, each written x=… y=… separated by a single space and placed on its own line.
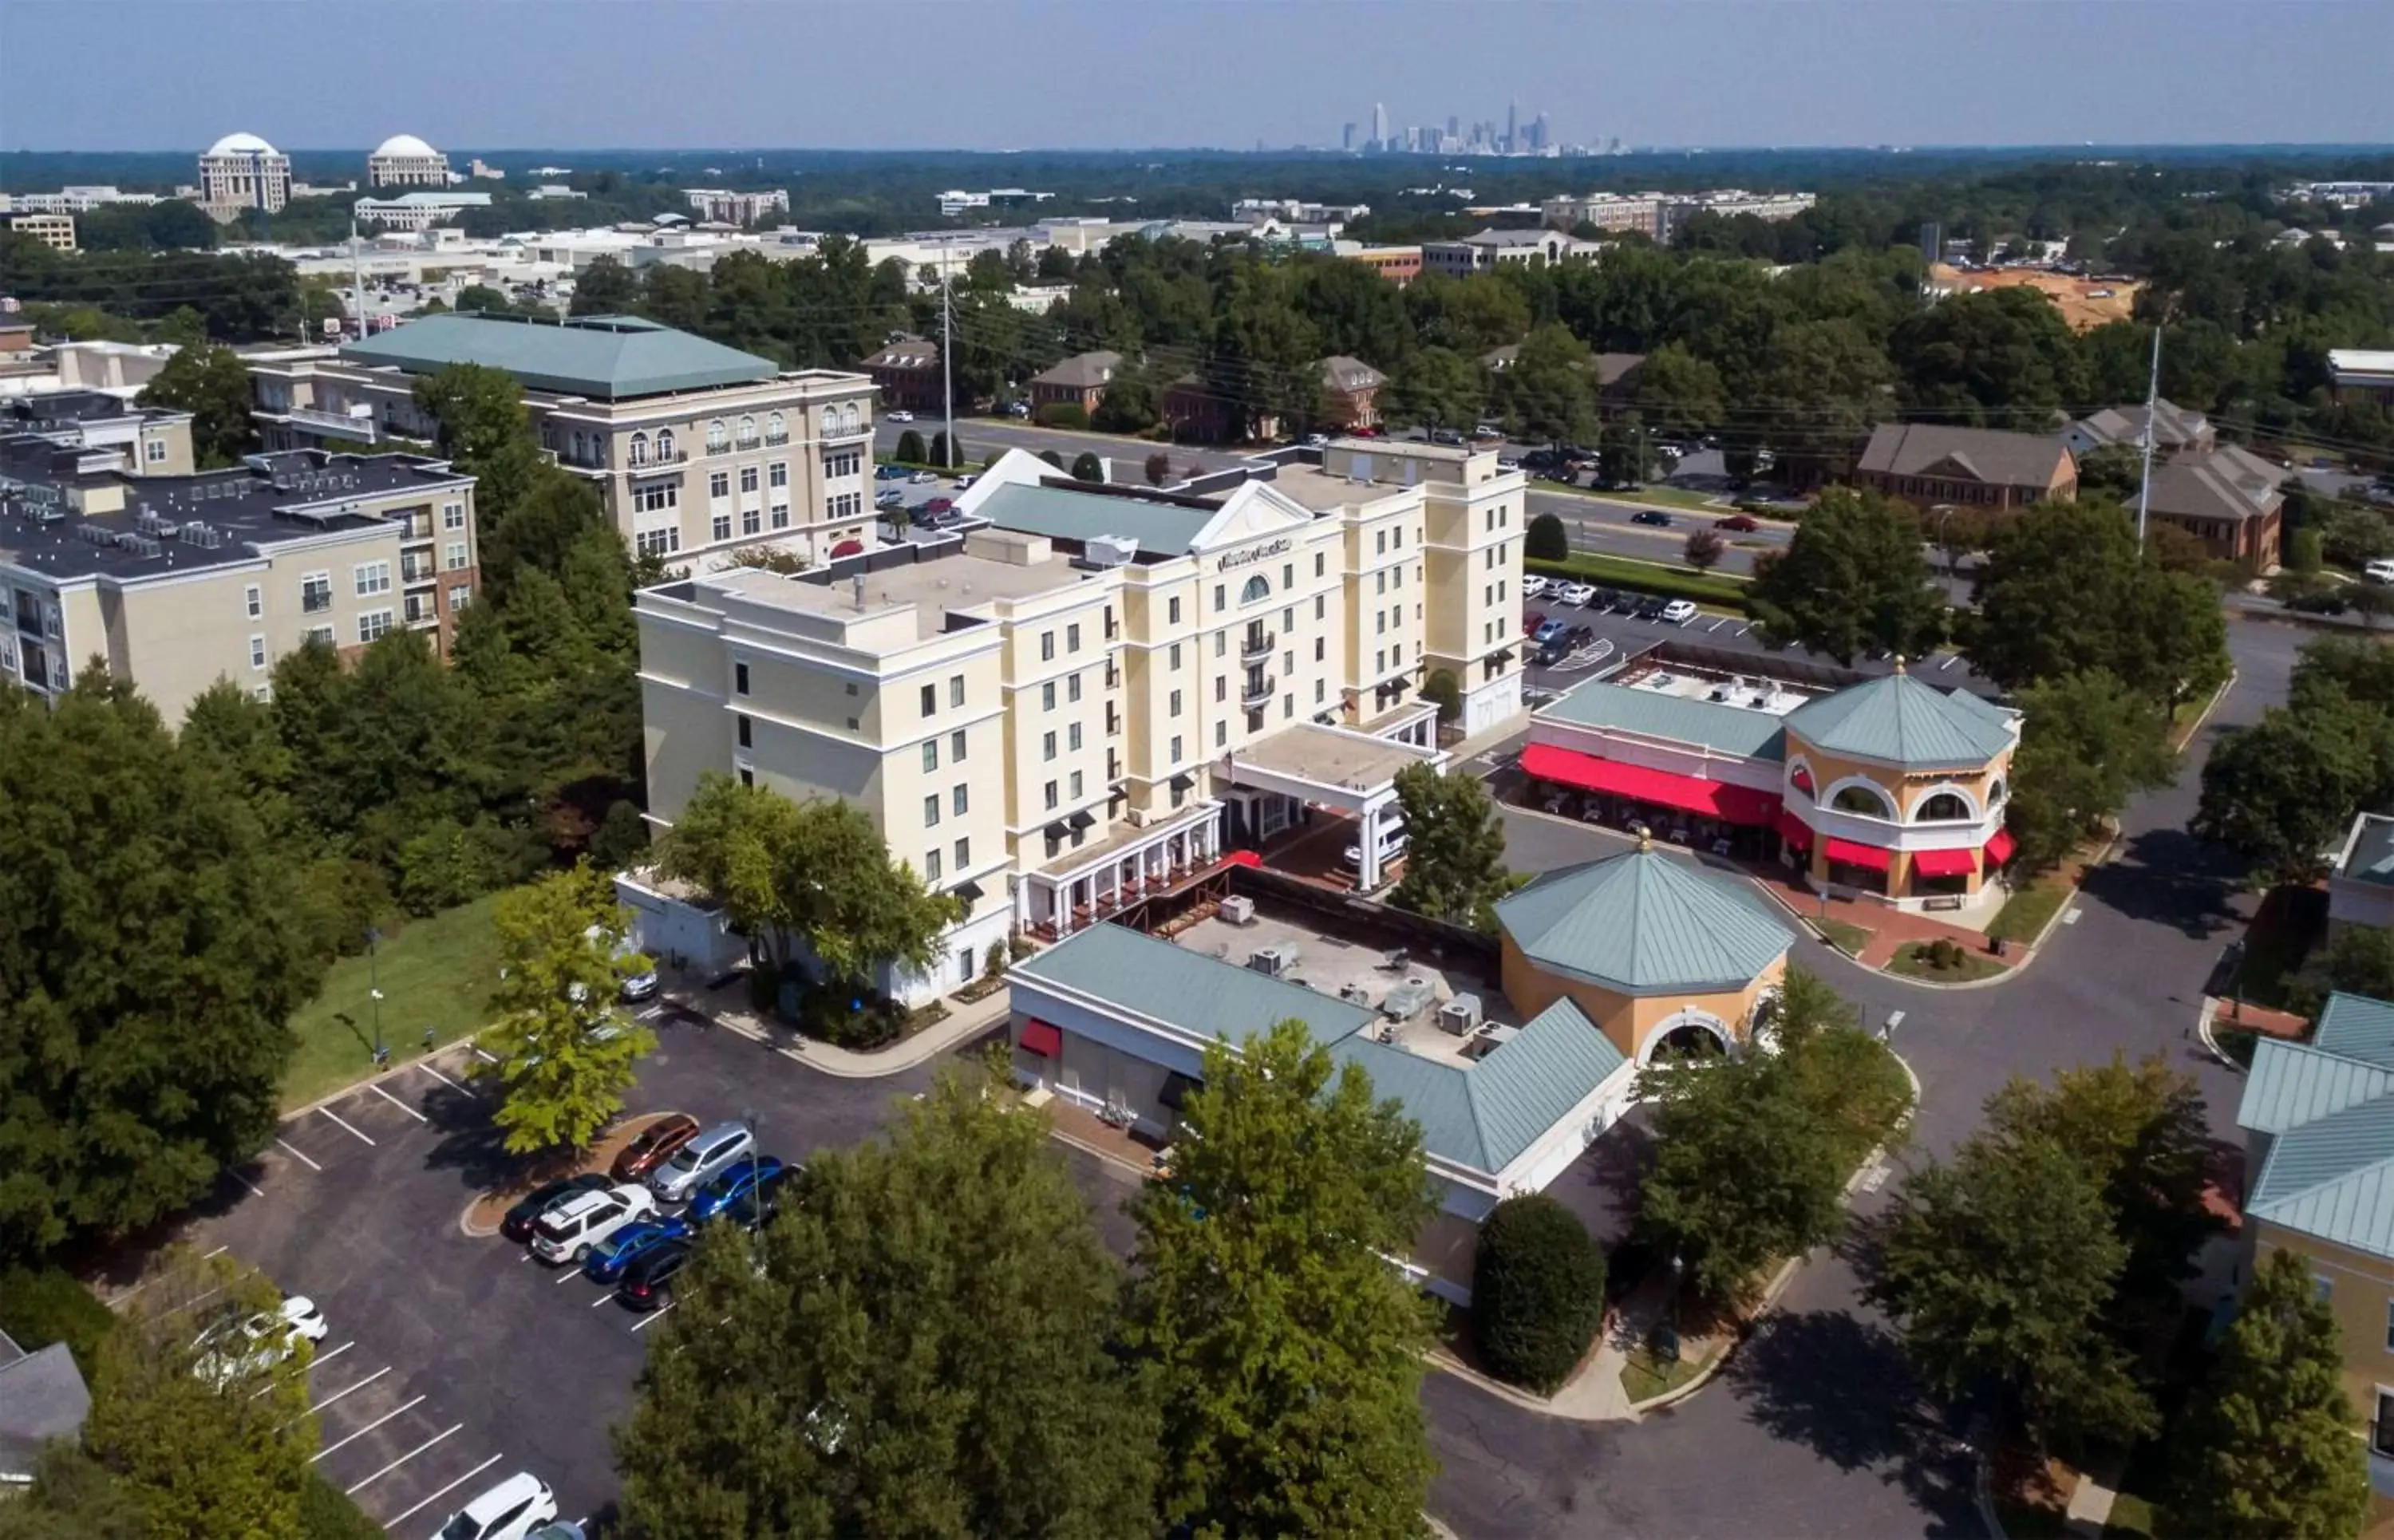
x=1512 y=127
x=1379 y=125
x=1347 y=140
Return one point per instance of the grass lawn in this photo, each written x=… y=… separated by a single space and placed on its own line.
x=2023 y=916
x=1847 y=937
x=1676 y=497
x=437 y=973
x=1911 y=959
x=1645 y=1375
x=1718 y=589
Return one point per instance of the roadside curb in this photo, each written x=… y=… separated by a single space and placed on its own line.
x=397 y=1065
x=843 y=1064
x=1983 y=1493
x=2203 y=1030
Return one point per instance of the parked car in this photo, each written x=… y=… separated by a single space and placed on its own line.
x=1678 y=612
x=656 y=1143
x=516 y=1225
x=235 y=1349
x=932 y=507
x=901 y=416
x=1533 y=585
x=891 y=473
x=1531 y=621
x=1550 y=655
x=1606 y=598
x=564 y=1528
x=698 y=1160
x=2379 y=571
x=962 y=483
x=1652 y=516
x=923 y=479
x=1579 y=635
x=888 y=497
x=1577 y=595
x=1737 y=523
x=1547 y=631
x=1652 y=607
x=611 y=1256
x=647 y=1284
x=1316 y=440
x=759 y=1203
x=507 y=1511
x=736 y=1180
x=567 y=1233
x=640 y=985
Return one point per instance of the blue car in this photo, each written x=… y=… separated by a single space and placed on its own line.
x=609 y=1257
x=1549 y=631
x=733 y=1184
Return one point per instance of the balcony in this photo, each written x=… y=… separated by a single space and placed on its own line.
x=414 y=573
x=773 y=440
x=1113 y=723
x=655 y=462
x=714 y=450
x=1258 y=645
x=1113 y=674
x=339 y=424
x=1259 y=693
x=315 y=602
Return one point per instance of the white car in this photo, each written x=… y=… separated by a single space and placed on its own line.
x=1678 y=613
x=567 y=1233
x=923 y=479
x=234 y=1350
x=964 y=483
x=1533 y=587
x=1576 y=594
x=899 y=416
x=507 y=1511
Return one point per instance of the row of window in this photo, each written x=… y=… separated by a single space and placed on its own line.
x=931 y=860
x=959 y=801
x=1871 y=802
x=722 y=436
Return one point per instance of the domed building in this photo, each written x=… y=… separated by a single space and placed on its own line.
x=403 y=160
x=243 y=171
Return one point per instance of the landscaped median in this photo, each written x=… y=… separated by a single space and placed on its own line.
x=1719 y=590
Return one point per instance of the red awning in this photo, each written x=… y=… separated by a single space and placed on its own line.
x=1852 y=854
x=1042 y=1038
x=1687 y=793
x=1999 y=850
x=1242 y=858
x=1794 y=831
x=1944 y=864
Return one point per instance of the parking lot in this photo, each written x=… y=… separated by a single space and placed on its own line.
x=454 y=1361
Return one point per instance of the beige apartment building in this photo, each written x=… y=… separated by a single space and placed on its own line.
x=54 y=231
x=178 y=580
x=696 y=449
x=147 y=440
x=1085 y=694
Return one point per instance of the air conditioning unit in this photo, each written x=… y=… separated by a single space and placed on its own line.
x=1238 y=909
x=1273 y=961
x=1460 y=1015
x=1136 y=818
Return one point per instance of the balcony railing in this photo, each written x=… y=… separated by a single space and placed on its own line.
x=315 y=602
x=1258 y=644
x=719 y=449
x=1258 y=693
x=650 y=461
x=338 y=424
x=1114 y=676
x=2381 y=1439
x=772 y=439
x=413 y=572
x=1113 y=724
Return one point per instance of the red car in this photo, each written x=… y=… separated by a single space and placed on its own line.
x=1737 y=523
x=655 y=1145
x=1530 y=621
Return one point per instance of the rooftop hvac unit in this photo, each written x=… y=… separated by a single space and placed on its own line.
x=1238 y=909
x=1460 y=1015
x=1111 y=550
x=1273 y=961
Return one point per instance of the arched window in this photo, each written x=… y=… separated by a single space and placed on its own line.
x=639 y=449
x=1997 y=791
x=776 y=428
x=1856 y=798
x=747 y=431
x=717 y=439
x=1943 y=808
x=665 y=445
x=581 y=445
x=852 y=418
x=1800 y=778
x=1257 y=587
x=831 y=419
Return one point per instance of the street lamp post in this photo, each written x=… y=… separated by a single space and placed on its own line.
x=749 y=1119
x=374 y=994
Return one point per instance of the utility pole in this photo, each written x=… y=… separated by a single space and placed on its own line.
x=2152 y=395
x=357 y=276
x=947 y=357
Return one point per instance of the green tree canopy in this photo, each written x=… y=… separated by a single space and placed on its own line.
x=1131 y=402
x=484 y=433
x=2281 y=792
x=2000 y=359
x=1680 y=393
x=563 y=1054
x=2088 y=744
x=207 y=380
x=1548 y=392
x=921 y=1350
x=1852 y=578
x=605 y=287
x=1284 y=1353
x=1435 y=387
x=1455 y=849
x=1538 y=1291
x=1086 y=466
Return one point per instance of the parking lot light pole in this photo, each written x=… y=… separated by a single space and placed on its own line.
x=749 y=1120
x=374 y=987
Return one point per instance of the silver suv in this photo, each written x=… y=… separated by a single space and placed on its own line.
x=694 y=1163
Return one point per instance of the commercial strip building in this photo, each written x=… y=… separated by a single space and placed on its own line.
x=2361 y=374
x=1890 y=788
x=178 y=580
x=1086 y=697
x=1514 y=1058
x=694 y=448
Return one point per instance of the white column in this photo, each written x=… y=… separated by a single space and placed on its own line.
x=1368 y=871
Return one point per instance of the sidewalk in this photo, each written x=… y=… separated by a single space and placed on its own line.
x=1890 y=929
x=728 y=1006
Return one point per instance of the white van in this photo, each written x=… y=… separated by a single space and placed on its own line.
x=1391 y=842
x=2380 y=571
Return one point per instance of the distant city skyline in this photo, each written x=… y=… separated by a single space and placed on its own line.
x=156 y=75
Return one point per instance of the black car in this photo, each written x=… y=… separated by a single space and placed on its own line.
x=1550 y=655
x=1652 y=607
x=1650 y=515
x=648 y=1278
x=1579 y=635
x=517 y=1225
x=1607 y=600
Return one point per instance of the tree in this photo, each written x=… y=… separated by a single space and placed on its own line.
x=1158 y=468
x=1284 y=1353
x=1704 y=549
x=941 y=455
x=910 y=449
x=2269 y=1451
x=482 y=300
x=921 y=1349
x=1086 y=466
x=605 y=287
x=2281 y=792
x=1455 y=849
x=1680 y=393
x=1827 y=382
x=563 y=1055
x=1537 y=1291
x=2004 y=358
x=2088 y=744
x=148 y=972
x=1754 y=1151
x=484 y=433
x=73 y=1497
x=205 y=1439
x=2116 y=471
x=1548 y=392
x=208 y=381
x=1546 y=539
x=1436 y=387
x=1131 y=402
x=2361 y=961
x=1442 y=691
x=1852 y=578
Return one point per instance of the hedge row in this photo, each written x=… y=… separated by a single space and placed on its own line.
x=1614 y=572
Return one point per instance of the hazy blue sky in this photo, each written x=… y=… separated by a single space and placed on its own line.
x=145 y=75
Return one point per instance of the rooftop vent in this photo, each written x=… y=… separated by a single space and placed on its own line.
x=197 y=533
x=1111 y=550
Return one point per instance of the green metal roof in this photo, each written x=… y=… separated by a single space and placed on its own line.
x=1061 y=514
x=1203 y=994
x=2354 y=1026
x=608 y=358
x=1646 y=922
x=1484 y=1114
x=2292 y=1084
x=1723 y=729
x=1901 y=720
x=2373 y=851
x=2329 y=1171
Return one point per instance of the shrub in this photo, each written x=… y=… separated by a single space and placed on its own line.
x=1022 y=945
x=1086 y=466
x=1537 y=1291
x=326 y=1513
x=1052 y=458
x=1646 y=578
x=1442 y=689
x=38 y=1308
x=1062 y=414
x=764 y=988
x=622 y=836
x=910 y=447
x=997 y=960
x=1159 y=468
x=1546 y=539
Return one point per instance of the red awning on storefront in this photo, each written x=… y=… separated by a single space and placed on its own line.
x=1999 y=850
x=1688 y=793
x=1943 y=864
x=1869 y=856
x=1794 y=831
x=1042 y=1038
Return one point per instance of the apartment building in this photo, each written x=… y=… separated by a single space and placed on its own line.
x=1611 y=211
x=54 y=231
x=177 y=581
x=695 y=448
x=243 y=171
x=736 y=208
x=1085 y=687
x=146 y=441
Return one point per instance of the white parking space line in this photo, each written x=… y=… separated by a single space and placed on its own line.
x=1950 y=659
x=279 y=1383
x=214 y=1255
x=401 y=1105
x=1742 y=630
x=362 y=1432
x=359 y=1385
x=485 y=1055
x=323 y=1358
x=256 y=1191
x=1715 y=626
x=652 y=1013
x=443 y=1079
x=605 y=1299
x=569 y=1274
x=344 y=1123
x=301 y=1158
x=351 y=1491
x=443 y=1493
x=643 y=1322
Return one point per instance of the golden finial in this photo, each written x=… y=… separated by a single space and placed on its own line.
x=1644 y=838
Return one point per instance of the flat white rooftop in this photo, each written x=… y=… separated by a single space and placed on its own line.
x=1748 y=693
x=1331 y=756
x=936 y=588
